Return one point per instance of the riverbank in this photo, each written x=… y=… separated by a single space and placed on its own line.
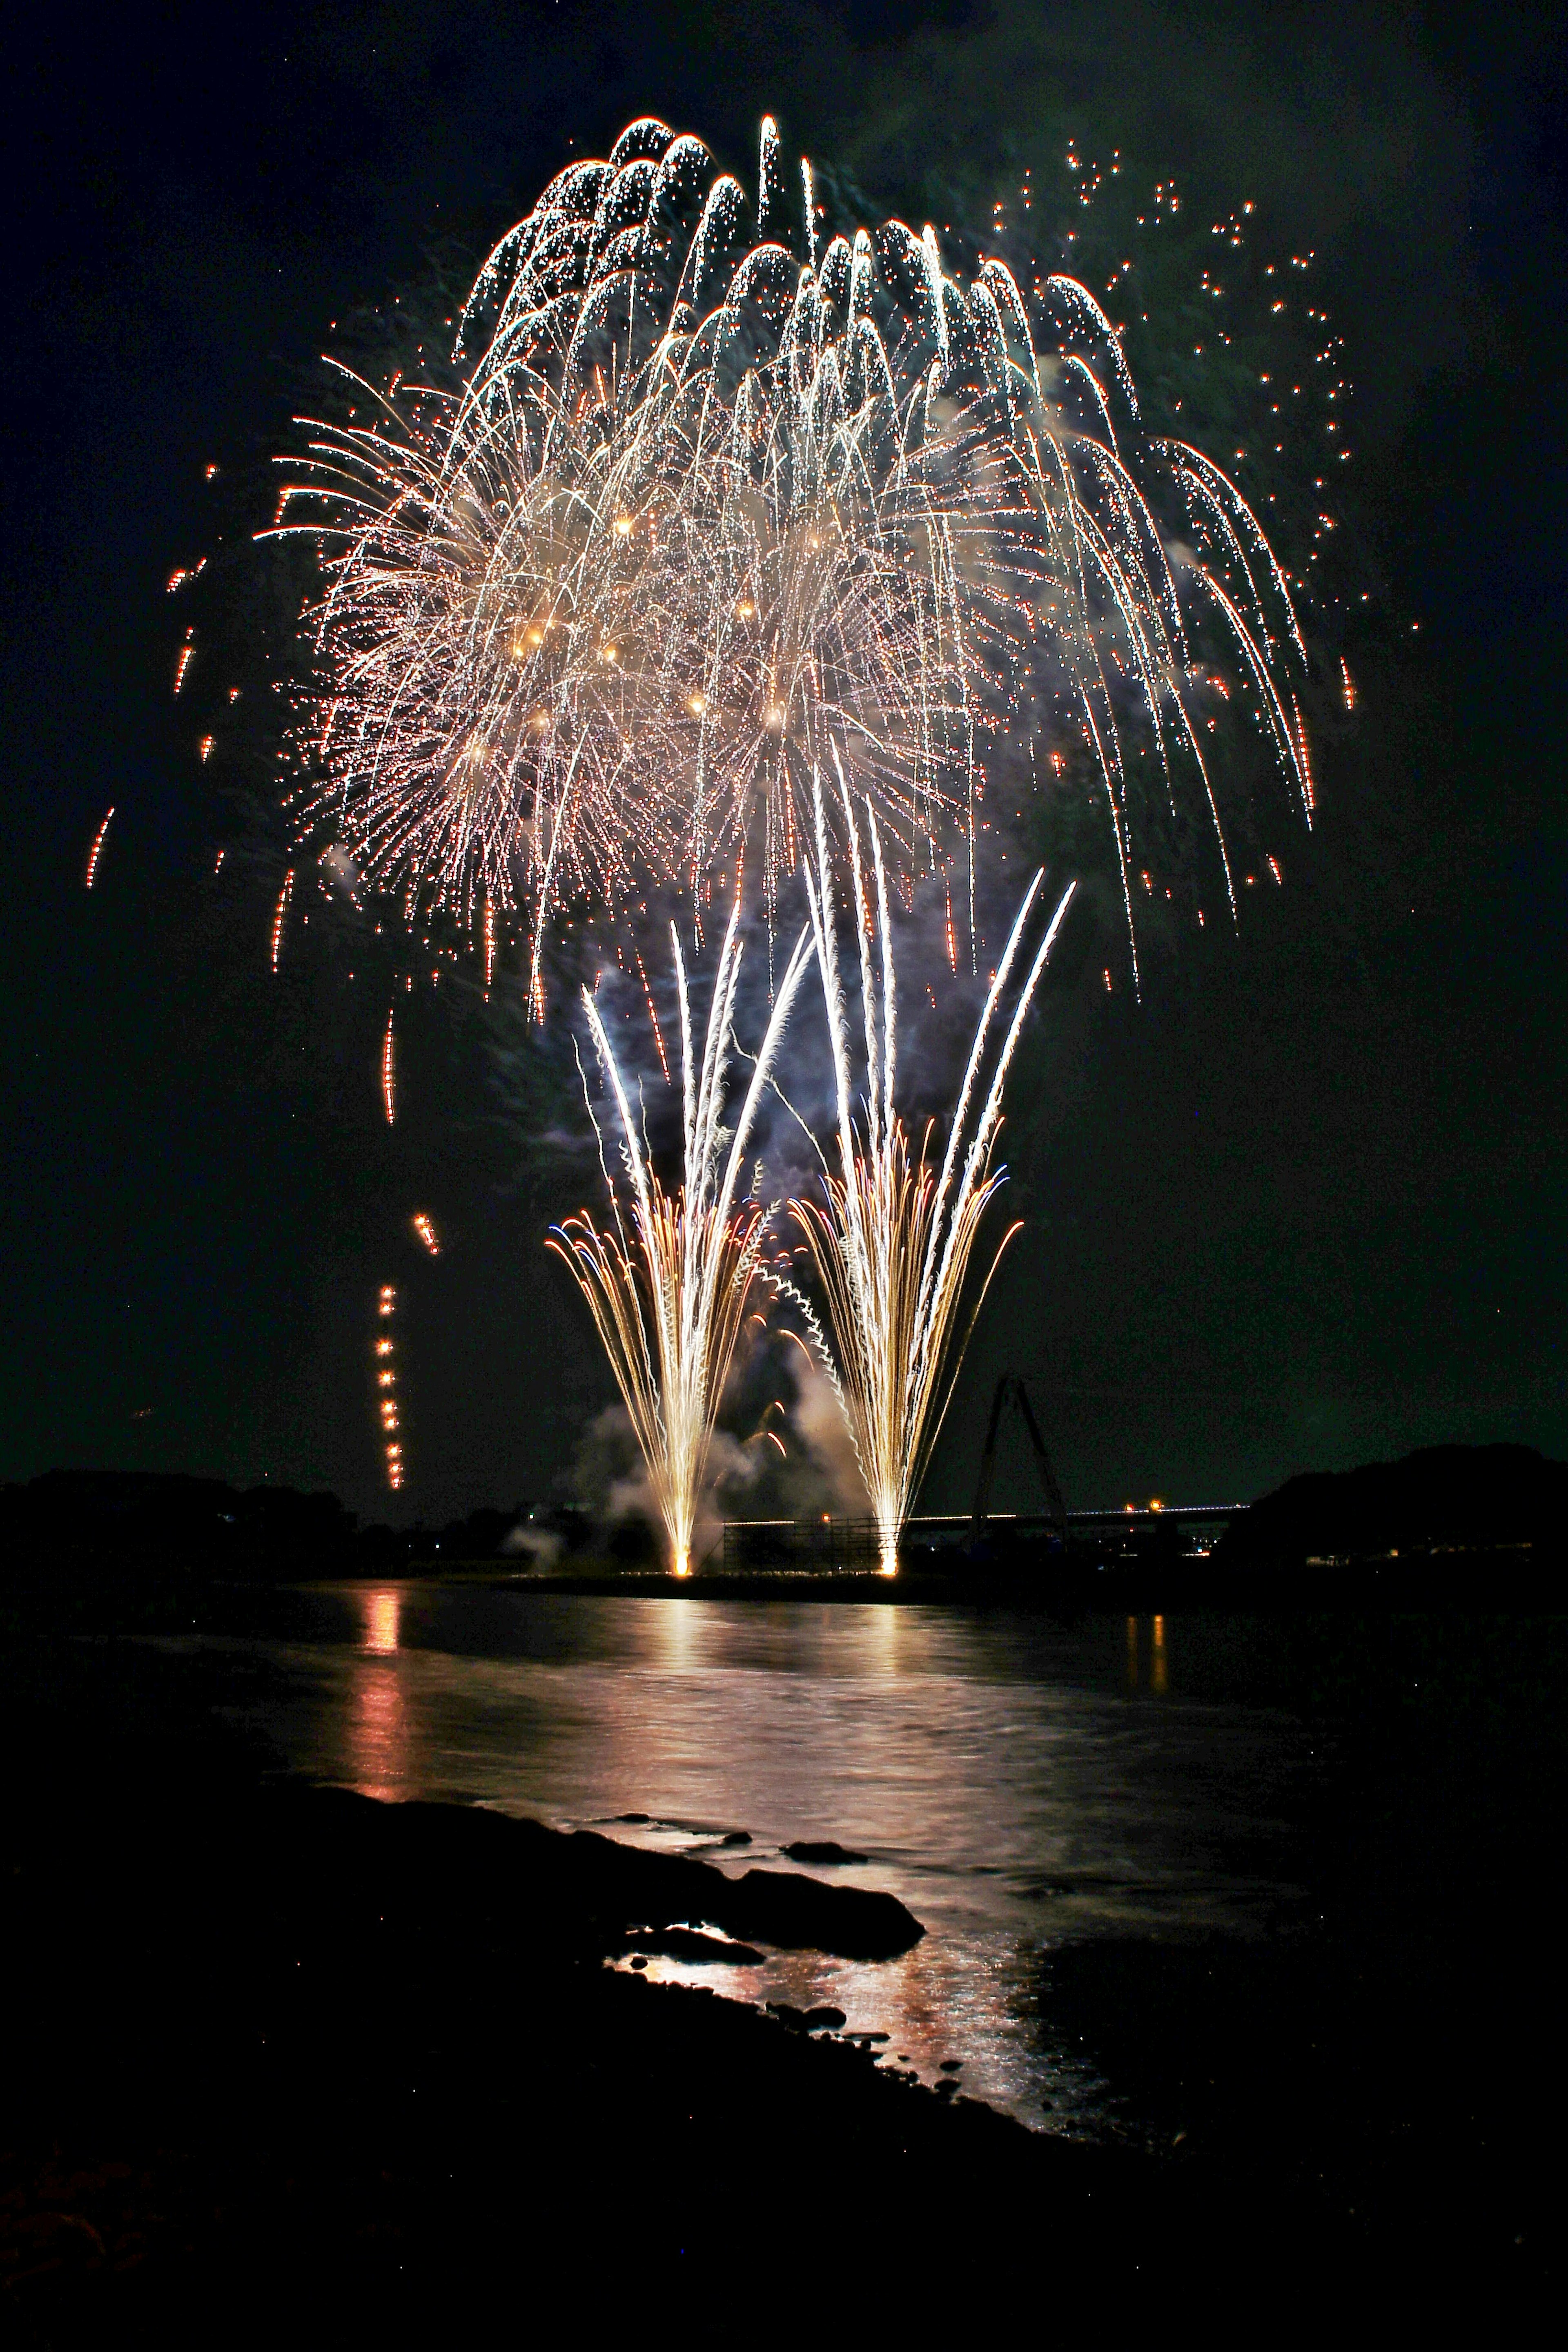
x=293 y=2049
x=285 y=2054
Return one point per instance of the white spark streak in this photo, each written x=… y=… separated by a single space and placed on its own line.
x=891 y=1242
x=668 y=1286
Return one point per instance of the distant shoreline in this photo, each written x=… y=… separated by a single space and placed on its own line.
x=1501 y=1576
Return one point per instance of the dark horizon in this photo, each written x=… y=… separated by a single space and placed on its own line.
x=1298 y=1211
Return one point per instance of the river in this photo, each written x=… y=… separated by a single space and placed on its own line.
x=1021 y=1786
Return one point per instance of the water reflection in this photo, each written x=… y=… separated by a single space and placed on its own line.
x=1158 y=1680
x=1006 y=1778
x=378 y=1731
x=383 y=1612
x=678 y=1628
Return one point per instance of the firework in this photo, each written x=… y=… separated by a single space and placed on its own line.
x=891 y=1239
x=279 y=914
x=389 y=1074
x=426 y=1233
x=96 y=852
x=704 y=499
x=668 y=1283
x=383 y=1359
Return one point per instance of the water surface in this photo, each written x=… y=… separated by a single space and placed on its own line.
x=1019 y=1785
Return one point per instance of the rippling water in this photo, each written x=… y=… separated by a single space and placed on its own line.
x=1019 y=1785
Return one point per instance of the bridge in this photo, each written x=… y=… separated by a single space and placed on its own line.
x=829 y=1542
x=980 y=1533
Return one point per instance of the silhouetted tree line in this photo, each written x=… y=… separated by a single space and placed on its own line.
x=89 y=1546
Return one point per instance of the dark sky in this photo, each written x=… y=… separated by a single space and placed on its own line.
x=1302 y=1208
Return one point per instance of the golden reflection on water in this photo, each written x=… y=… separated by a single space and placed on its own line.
x=677 y=1626
x=1160 y=1678
x=378 y=1721
x=383 y=1612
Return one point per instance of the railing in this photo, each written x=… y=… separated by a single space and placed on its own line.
x=752 y=1544
x=852 y=1544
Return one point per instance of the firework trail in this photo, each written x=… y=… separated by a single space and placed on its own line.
x=890 y=1240
x=389 y=1074
x=383 y=1353
x=703 y=499
x=96 y=852
x=668 y=1285
x=277 y=921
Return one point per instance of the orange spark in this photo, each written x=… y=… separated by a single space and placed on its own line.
x=96 y=852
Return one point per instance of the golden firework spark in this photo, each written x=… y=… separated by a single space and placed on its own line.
x=668 y=1284
x=389 y=1072
x=891 y=1239
x=96 y=852
x=384 y=1353
x=280 y=913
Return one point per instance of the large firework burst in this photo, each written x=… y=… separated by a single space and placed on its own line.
x=709 y=498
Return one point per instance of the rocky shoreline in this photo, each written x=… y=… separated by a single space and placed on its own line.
x=282 y=2057
x=285 y=2051
x=344 y=2057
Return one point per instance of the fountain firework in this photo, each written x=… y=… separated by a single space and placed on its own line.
x=891 y=1239
x=710 y=499
x=668 y=1286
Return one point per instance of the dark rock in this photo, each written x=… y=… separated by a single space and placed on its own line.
x=643 y=1819
x=821 y=1850
x=791 y=2019
x=951 y=2065
x=638 y=1959
x=660 y=1890
x=824 y=2016
x=736 y=1837
x=688 y=1945
x=946 y=2090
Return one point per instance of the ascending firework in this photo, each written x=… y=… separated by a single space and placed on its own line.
x=891 y=1240
x=96 y=852
x=710 y=499
x=383 y=1353
x=668 y=1286
x=389 y=1073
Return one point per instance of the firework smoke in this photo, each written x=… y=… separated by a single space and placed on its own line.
x=890 y=1240
x=668 y=1286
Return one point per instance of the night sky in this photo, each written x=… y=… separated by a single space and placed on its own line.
x=1302 y=1208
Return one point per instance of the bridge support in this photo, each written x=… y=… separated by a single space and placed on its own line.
x=1010 y=1387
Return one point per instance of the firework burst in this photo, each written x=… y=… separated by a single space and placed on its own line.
x=705 y=498
x=891 y=1239
x=668 y=1283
